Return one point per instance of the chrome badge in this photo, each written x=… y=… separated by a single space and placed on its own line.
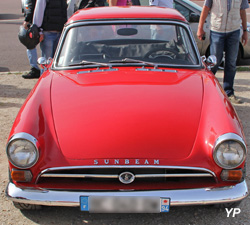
x=126 y=177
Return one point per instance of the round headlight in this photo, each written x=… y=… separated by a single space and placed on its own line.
x=229 y=151
x=22 y=150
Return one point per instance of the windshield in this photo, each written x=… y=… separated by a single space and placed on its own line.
x=161 y=44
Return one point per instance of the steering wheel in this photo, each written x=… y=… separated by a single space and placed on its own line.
x=165 y=52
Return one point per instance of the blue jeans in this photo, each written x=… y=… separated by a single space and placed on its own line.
x=49 y=44
x=228 y=42
x=32 y=56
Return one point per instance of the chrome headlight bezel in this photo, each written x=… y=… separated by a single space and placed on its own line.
x=31 y=141
x=229 y=137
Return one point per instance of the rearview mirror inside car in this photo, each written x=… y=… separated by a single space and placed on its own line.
x=127 y=31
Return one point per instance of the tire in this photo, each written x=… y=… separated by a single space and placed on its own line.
x=23 y=206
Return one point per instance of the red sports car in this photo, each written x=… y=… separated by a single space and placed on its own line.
x=126 y=118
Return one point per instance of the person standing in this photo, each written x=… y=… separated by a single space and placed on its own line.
x=226 y=18
x=161 y=3
x=50 y=16
x=31 y=53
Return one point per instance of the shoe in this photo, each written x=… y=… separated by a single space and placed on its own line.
x=235 y=100
x=33 y=74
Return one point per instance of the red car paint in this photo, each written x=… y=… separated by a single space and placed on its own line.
x=126 y=117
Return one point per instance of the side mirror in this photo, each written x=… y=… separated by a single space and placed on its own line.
x=194 y=18
x=44 y=63
x=211 y=61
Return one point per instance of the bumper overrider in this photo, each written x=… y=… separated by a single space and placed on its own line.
x=182 y=197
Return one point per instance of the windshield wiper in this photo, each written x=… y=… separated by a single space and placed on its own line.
x=128 y=60
x=84 y=62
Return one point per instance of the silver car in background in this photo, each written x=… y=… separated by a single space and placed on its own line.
x=192 y=12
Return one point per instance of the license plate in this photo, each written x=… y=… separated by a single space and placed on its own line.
x=114 y=204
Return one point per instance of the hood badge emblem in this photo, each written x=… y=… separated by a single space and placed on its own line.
x=126 y=177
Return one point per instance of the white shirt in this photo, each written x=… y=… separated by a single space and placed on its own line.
x=162 y=3
x=39 y=12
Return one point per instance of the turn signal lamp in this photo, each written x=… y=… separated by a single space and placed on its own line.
x=232 y=175
x=21 y=175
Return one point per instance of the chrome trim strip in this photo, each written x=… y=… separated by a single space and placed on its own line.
x=79 y=175
x=156 y=70
x=198 y=196
x=173 y=175
x=124 y=167
x=127 y=166
x=54 y=175
x=98 y=70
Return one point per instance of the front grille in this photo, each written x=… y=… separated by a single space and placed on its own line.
x=153 y=178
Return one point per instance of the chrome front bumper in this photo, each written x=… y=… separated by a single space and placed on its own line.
x=199 y=196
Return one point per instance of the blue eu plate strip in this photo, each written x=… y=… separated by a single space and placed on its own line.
x=84 y=203
x=165 y=202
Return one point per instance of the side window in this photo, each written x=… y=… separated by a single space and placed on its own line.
x=185 y=46
x=183 y=10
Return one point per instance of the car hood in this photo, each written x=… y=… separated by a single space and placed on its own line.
x=126 y=113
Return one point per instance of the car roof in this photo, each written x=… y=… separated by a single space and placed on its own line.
x=132 y=12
